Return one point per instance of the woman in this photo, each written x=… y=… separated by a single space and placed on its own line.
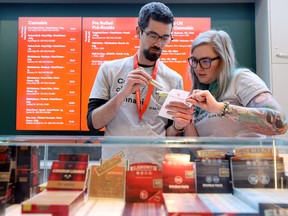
x=228 y=101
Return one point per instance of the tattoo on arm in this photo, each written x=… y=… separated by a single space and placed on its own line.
x=262 y=115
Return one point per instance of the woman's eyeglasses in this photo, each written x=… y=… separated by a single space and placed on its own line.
x=205 y=63
x=154 y=37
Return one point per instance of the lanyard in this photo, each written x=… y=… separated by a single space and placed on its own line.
x=141 y=110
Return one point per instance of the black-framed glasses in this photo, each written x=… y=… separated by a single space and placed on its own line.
x=154 y=37
x=205 y=63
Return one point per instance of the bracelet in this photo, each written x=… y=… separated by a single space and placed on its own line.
x=177 y=130
x=225 y=109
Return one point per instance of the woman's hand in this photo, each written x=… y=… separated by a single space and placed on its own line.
x=205 y=100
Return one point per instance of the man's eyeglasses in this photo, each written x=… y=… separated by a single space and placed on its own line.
x=205 y=63
x=154 y=37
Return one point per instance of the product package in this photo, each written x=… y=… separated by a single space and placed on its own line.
x=108 y=178
x=65 y=190
x=144 y=183
x=178 y=174
x=257 y=167
x=212 y=172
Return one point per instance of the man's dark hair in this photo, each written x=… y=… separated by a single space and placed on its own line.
x=156 y=11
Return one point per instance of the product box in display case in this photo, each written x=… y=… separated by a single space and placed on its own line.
x=26 y=185
x=57 y=203
x=28 y=158
x=144 y=183
x=257 y=168
x=178 y=174
x=67 y=175
x=212 y=172
x=27 y=172
x=65 y=190
x=108 y=178
x=108 y=184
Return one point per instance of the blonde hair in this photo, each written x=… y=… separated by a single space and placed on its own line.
x=222 y=45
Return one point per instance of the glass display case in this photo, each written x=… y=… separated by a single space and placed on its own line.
x=145 y=175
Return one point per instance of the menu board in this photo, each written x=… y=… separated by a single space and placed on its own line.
x=49 y=73
x=58 y=60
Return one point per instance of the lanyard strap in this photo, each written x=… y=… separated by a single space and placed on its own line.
x=141 y=110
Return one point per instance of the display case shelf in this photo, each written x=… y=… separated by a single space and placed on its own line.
x=51 y=146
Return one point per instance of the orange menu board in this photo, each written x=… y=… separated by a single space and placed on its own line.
x=110 y=38
x=58 y=60
x=49 y=73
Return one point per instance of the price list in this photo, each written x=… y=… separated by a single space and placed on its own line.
x=58 y=60
x=49 y=73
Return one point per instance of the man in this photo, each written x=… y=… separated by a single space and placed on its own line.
x=112 y=102
x=123 y=100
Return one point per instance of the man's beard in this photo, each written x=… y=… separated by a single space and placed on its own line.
x=151 y=56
